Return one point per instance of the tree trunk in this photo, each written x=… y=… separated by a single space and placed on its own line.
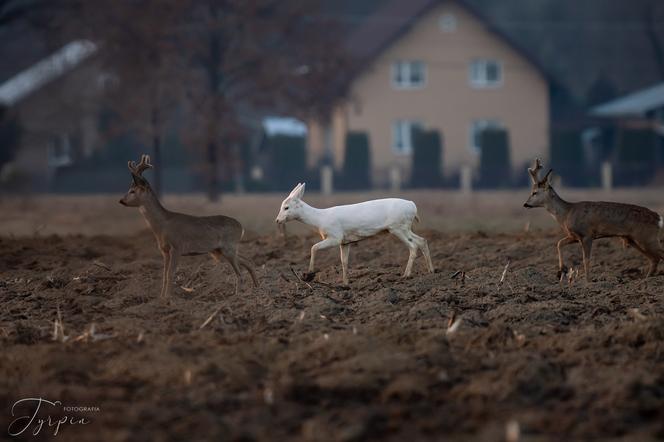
x=156 y=154
x=212 y=171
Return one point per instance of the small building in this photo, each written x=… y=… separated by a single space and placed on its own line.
x=437 y=65
x=54 y=102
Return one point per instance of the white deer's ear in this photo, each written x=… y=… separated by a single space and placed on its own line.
x=294 y=191
x=299 y=193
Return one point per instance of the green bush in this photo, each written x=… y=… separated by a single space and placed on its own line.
x=636 y=157
x=357 y=162
x=289 y=161
x=567 y=158
x=495 y=162
x=427 y=154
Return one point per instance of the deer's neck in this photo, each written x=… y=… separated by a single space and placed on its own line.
x=310 y=215
x=153 y=212
x=558 y=207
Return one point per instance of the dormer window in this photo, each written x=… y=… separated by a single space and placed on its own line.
x=408 y=74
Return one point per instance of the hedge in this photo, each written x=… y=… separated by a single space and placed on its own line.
x=427 y=159
x=495 y=159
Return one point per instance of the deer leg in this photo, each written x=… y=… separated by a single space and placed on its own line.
x=345 y=251
x=247 y=264
x=164 y=277
x=562 y=243
x=654 y=253
x=424 y=247
x=412 y=247
x=230 y=256
x=173 y=256
x=586 y=246
x=324 y=244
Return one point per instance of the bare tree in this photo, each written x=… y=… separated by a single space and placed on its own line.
x=250 y=55
x=142 y=64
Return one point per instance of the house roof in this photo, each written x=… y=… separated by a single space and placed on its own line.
x=397 y=17
x=31 y=79
x=636 y=104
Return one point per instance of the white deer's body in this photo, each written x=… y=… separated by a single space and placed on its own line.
x=354 y=222
x=343 y=225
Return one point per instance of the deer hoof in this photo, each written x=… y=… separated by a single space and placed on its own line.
x=308 y=276
x=562 y=271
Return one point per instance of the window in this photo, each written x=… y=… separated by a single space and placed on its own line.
x=60 y=152
x=402 y=136
x=476 y=129
x=447 y=23
x=485 y=73
x=408 y=74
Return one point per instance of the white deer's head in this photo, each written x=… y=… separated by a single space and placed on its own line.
x=291 y=206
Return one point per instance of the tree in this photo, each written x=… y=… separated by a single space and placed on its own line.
x=143 y=69
x=253 y=55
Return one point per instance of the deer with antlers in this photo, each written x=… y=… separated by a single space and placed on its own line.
x=588 y=220
x=178 y=234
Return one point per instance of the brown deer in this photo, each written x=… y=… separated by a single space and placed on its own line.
x=185 y=235
x=588 y=220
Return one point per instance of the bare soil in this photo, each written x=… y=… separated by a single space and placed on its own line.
x=375 y=361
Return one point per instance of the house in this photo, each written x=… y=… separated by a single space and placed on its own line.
x=53 y=102
x=619 y=126
x=645 y=106
x=437 y=65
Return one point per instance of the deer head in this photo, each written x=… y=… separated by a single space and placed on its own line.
x=140 y=187
x=292 y=205
x=541 y=190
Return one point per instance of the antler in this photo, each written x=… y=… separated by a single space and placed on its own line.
x=138 y=169
x=534 y=172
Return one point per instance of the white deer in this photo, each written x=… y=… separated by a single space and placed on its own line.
x=343 y=225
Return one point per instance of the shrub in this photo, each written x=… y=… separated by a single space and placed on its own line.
x=357 y=162
x=567 y=157
x=495 y=162
x=636 y=157
x=289 y=161
x=427 y=154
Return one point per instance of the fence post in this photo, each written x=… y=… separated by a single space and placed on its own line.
x=466 y=179
x=395 y=179
x=326 y=178
x=607 y=176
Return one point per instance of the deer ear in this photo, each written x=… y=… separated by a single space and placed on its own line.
x=300 y=191
x=138 y=180
x=547 y=177
x=295 y=190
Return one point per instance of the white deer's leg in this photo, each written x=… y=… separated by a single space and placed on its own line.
x=412 y=247
x=345 y=251
x=424 y=247
x=325 y=244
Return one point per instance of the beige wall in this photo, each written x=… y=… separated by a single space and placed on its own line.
x=448 y=102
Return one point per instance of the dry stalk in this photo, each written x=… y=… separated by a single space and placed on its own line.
x=636 y=314
x=211 y=317
x=512 y=431
x=300 y=279
x=59 y=329
x=504 y=274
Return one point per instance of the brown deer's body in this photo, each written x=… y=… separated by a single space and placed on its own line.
x=179 y=234
x=586 y=221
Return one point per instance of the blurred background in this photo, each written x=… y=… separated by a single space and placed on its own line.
x=240 y=96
